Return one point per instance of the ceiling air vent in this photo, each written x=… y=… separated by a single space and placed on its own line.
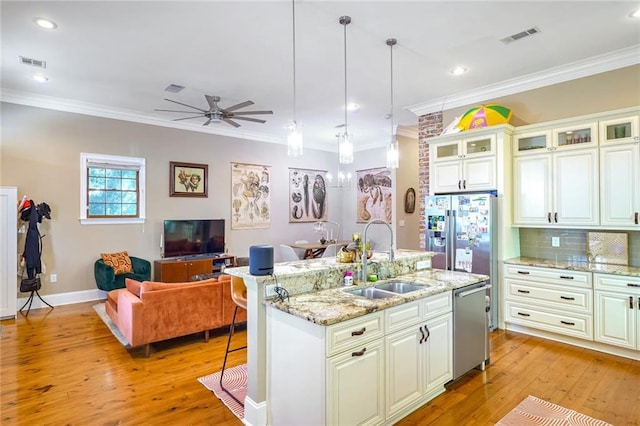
x=520 y=35
x=33 y=62
x=174 y=88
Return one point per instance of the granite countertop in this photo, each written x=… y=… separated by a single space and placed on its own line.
x=335 y=305
x=603 y=268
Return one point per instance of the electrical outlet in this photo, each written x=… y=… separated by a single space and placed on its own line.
x=423 y=264
x=555 y=241
x=53 y=278
x=270 y=290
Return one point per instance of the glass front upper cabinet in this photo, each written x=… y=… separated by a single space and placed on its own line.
x=448 y=151
x=532 y=143
x=578 y=136
x=483 y=145
x=620 y=130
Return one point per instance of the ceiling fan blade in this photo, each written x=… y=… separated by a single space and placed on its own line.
x=238 y=106
x=250 y=113
x=187 y=118
x=211 y=101
x=180 y=103
x=255 y=120
x=172 y=110
x=206 y=123
x=233 y=123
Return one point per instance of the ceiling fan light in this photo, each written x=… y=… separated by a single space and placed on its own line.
x=294 y=142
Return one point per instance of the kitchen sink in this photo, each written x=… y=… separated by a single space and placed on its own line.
x=371 y=293
x=399 y=287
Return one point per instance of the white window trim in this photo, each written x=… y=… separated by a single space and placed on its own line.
x=139 y=163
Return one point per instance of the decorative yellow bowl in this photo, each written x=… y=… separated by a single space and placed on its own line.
x=345 y=256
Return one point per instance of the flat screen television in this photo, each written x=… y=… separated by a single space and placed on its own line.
x=196 y=237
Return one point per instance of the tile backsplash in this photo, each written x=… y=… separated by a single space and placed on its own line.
x=535 y=242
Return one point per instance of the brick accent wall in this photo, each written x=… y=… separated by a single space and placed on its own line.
x=429 y=125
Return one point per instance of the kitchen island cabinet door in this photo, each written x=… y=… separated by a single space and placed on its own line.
x=355 y=386
x=438 y=349
x=405 y=368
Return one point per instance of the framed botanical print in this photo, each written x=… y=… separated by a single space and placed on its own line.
x=307 y=195
x=188 y=179
x=250 y=196
x=374 y=198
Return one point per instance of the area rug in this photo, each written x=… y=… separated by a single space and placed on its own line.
x=235 y=381
x=102 y=313
x=536 y=411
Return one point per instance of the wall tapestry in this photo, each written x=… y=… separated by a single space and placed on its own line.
x=374 y=195
x=307 y=195
x=250 y=196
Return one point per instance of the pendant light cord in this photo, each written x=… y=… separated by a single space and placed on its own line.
x=293 y=20
x=345 y=20
x=391 y=42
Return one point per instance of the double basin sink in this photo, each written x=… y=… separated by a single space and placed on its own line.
x=382 y=291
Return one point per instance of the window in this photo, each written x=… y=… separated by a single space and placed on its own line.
x=112 y=189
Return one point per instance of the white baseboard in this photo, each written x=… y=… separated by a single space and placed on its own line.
x=255 y=413
x=60 y=299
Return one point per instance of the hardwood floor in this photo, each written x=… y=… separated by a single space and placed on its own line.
x=63 y=366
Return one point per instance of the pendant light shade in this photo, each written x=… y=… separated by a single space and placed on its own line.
x=345 y=149
x=294 y=139
x=392 y=147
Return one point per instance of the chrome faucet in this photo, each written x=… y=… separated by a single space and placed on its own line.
x=364 y=245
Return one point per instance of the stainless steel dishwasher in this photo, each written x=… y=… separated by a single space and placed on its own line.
x=470 y=328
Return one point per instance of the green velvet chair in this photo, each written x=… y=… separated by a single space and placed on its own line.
x=107 y=280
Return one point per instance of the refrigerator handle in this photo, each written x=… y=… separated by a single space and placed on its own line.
x=451 y=229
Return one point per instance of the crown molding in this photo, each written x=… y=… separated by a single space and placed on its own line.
x=68 y=105
x=584 y=68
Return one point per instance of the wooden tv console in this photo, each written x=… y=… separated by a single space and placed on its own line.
x=178 y=270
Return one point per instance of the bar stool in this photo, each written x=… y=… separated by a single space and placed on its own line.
x=239 y=297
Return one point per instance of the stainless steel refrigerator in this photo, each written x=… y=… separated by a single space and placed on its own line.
x=461 y=229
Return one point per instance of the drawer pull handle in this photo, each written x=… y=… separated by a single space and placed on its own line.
x=359 y=353
x=567 y=298
x=568 y=323
x=422 y=333
x=633 y=285
x=359 y=332
x=524 y=291
x=459 y=184
x=428 y=333
x=566 y=277
x=630 y=302
x=555 y=217
x=549 y=217
x=524 y=315
x=524 y=272
x=464 y=184
x=639 y=303
x=635 y=218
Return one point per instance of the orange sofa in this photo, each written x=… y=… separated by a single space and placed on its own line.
x=148 y=312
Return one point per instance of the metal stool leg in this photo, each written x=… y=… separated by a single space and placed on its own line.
x=226 y=353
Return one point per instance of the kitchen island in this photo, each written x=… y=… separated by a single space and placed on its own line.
x=316 y=300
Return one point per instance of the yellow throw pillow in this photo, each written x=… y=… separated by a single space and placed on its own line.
x=120 y=262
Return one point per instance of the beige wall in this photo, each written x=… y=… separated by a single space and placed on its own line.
x=408 y=236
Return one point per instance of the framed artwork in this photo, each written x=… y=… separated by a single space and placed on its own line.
x=374 y=196
x=307 y=195
x=410 y=200
x=188 y=179
x=250 y=196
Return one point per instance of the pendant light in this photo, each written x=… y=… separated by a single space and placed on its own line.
x=294 y=139
x=392 y=148
x=345 y=147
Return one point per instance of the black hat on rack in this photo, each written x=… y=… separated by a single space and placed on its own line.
x=43 y=211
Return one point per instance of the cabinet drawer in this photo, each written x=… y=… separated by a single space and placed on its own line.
x=352 y=333
x=574 y=299
x=569 y=324
x=619 y=283
x=436 y=305
x=399 y=317
x=557 y=276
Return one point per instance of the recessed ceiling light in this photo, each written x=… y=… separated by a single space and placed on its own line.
x=353 y=107
x=636 y=14
x=459 y=70
x=45 y=23
x=40 y=78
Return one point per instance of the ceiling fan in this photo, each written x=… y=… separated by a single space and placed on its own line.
x=217 y=114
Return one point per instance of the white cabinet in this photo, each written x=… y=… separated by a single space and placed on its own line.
x=558 y=188
x=466 y=161
x=419 y=355
x=617 y=310
x=620 y=184
x=555 y=300
x=619 y=130
x=370 y=370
